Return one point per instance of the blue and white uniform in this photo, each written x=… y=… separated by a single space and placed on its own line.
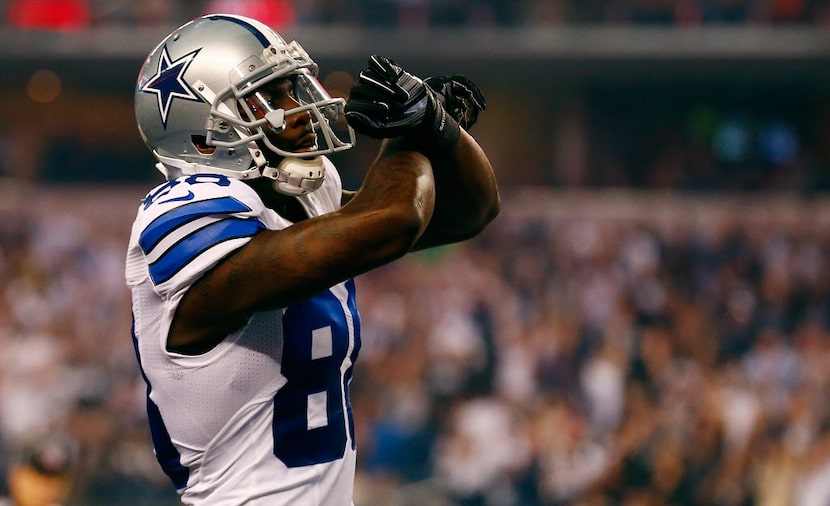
x=263 y=418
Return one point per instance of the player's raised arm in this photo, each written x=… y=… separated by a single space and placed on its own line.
x=278 y=268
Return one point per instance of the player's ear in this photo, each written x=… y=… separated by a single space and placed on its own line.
x=200 y=143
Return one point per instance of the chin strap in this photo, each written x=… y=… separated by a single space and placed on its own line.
x=297 y=176
x=293 y=176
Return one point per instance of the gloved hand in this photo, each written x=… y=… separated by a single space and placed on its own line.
x=461 y=98
x=387 y=101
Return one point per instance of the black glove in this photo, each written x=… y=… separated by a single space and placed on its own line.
x=461 y=98
x=387 y=101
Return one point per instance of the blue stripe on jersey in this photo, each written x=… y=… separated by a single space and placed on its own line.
x=177 y=257
x=347 y=377
x=171 y=220
x=259 y=35
x=166 y=453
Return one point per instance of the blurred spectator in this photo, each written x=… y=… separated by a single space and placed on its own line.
x=43 y=473
x=48 y=14
x=145 y=13
x=482 y=448
x=729 y=11
x=274 y=13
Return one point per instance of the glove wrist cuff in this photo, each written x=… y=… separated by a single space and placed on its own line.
x=438 y=136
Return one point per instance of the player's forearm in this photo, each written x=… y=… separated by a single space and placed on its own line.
x=399 y=184
x=467 y=197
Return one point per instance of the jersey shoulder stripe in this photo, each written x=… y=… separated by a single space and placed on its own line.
x=160 y=227
x=193 y=245
x=189 y=224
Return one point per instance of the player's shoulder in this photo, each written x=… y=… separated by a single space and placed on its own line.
x=201 y=194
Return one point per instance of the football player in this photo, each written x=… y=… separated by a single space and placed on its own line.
x=241 y=263
x=43 y=474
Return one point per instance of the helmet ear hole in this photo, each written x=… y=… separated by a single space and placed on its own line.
x=201 y=145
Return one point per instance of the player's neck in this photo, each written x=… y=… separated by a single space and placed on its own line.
x=285 y=205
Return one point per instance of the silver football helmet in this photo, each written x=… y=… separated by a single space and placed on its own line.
x=221 y=94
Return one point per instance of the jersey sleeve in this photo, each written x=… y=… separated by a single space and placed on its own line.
x=189 y=224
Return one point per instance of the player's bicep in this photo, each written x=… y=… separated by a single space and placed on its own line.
x=274 y=269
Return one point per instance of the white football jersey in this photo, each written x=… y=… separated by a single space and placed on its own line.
x=263 y=418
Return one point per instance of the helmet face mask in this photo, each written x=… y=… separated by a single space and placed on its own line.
x=268 y=105
x=220 y=94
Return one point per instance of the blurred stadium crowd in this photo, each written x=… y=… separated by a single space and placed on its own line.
x=75 y=14
x=611 y=350
x=602 y=349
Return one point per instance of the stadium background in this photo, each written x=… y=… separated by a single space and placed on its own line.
x=645 y=324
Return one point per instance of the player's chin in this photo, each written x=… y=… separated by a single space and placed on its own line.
x=275 y=159
x=307 y=143
x=306 y=149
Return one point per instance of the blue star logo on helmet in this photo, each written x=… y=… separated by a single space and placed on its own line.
x=168 y=83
